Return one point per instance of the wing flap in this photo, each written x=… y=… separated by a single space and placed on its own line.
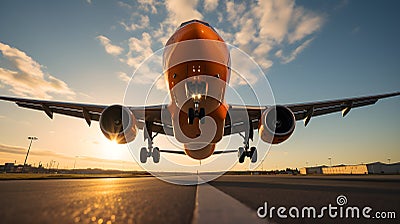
x=157 y=114
x=49 y=110
x=319 y=110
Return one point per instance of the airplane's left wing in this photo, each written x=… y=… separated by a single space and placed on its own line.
x=148 y=116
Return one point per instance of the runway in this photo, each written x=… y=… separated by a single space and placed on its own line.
x=229 y=199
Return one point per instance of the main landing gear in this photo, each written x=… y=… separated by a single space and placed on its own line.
x=149 y=151
x=243 y=153
x=247 y=151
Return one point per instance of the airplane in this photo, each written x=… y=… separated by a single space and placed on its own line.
x=197 y=91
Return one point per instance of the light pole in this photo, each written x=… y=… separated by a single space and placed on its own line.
x=75 y=161
x=32 y=138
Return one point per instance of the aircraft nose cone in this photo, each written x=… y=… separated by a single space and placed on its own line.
x=192 y=31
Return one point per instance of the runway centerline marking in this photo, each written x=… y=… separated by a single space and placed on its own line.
x=212 y=204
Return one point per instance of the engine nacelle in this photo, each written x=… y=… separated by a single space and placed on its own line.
x=276 y=125
x=118 y=124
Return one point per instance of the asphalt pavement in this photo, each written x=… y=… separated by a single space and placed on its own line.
x=229 y=199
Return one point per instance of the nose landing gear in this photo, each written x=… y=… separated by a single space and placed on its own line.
x=192 y=113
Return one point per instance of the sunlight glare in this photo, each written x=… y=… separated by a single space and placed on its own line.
x=110 y=149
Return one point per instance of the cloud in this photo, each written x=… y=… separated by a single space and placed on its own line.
x=123 y=76
x=148 y=6
x=271 y=25
x=274 y=18
x=263 y=29
x=110 y=48
x=245 y=35
x=294 y=53
x=124 y=5
x=233 y=10
x=182 y=10
x=148 y=71
x=305 y=23
x=12 y=149
x=139 y=50
x=26 y=77
x=210 y=5
x=262 y=49
x=141 y=24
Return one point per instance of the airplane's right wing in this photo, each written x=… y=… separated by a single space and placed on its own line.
x=237 y=123
x=305 y=111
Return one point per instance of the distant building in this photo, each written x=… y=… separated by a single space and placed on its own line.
x=383 y=168
x=9 y=167
x=346 y=169
x=371 y=168
x=312 y=170
x=13 y=168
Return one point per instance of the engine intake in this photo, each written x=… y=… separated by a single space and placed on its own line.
x=276 y=125
x=118 y=124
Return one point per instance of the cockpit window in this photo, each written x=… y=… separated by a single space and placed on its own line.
x=195 y=20
x=196 y=89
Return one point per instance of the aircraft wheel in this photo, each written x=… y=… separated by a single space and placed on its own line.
x=253 y=154
x=202 y=114
x=241 y=154
x=190 y=116
x=156 y=155
x=143 y=155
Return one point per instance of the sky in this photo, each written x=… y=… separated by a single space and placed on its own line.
x=86 y=51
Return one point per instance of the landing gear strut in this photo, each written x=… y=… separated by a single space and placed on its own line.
x=246 y=150
x=149 y=151
x=193 y=113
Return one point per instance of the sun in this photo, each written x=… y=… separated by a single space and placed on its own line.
x=111 y=150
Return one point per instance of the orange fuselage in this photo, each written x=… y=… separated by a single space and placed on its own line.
x=196 y=68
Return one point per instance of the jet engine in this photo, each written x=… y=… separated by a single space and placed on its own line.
x=276 y=125
x=118 y=124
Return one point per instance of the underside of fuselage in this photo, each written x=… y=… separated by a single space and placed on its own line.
x=196 y=65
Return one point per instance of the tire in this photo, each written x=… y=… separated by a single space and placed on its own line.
x=143 y=155
x=240 y=152
x=202 y=114
x=252 y=150
x=156 y=155
x=253 y=154
x=190 y=116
